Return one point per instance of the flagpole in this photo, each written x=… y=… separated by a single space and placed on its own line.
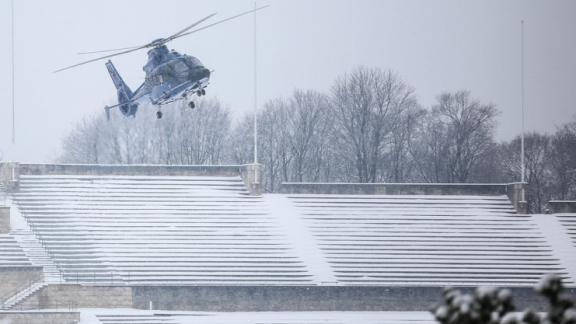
x=523 y=104
x=13 y=73
x=255 y=92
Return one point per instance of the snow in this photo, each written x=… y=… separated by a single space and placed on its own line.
x=198 y=230
x=133 y=316
x=398 y=184
x=103 y=227
x=559 y=239
x=303 y=242
x=356 y=232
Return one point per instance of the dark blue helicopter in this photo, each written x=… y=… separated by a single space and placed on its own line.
x=170 y=76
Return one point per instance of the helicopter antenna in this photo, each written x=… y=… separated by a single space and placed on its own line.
x=162 y=41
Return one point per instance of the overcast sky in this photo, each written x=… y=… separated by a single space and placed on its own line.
x=434 y=46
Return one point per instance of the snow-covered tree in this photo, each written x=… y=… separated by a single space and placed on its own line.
x=183 y=136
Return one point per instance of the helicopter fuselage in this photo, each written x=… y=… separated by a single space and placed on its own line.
x=170 y=76
x=169 y=71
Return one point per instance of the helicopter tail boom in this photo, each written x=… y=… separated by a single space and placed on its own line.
x=125 y=96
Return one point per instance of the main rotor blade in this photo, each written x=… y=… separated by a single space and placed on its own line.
x=169 y=38
x=177 y=35
x=189 y=27
x=101 y=58
x=108 y=50
x=221 y=21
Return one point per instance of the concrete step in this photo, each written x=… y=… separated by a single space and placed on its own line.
x=38 y=255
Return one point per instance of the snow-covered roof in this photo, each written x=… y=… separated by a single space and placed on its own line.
x=206 y=230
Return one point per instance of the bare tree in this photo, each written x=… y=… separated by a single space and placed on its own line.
x=469 y=127
x=293 y=137
x=563 y=161
x=537 y=166
x=368 y=102
x=370 y=128
x=429 y=150
x=399 y=164
x=273 y=148
x=307 y=130
x=83 y=144
x=240 y=147
x=181 y=137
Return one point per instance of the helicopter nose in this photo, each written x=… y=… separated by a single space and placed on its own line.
x=206 y=73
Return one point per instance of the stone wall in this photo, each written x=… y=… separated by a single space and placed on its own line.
x=4 y=220
x=514 y=191
x=133 y=169
x=562 y=206
x=40 y=317
x=250 y=173
x=9 y=175
x=252 y=177
x=266 y=298
x=15 y=279
x=78 y=296
x=395 y=188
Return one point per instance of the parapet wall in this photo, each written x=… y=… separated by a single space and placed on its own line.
x=302 y=298
x=130 y=170
x=251 y=173
x=4 y=220
x=56 y=317
x=66 y=296
x=395 y=188
x=9 y=176
x=255 y=298
x=562 y=206
x=514 y=191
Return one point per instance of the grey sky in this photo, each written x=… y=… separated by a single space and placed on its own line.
x=434 y=46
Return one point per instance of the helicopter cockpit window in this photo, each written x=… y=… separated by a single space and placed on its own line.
x=194 y=61
x=180 y=68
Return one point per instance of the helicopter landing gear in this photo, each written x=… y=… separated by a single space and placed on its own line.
x=159 y=114
x=203 y=92
x=191 y=105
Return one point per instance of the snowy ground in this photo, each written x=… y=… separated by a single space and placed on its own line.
x=132 y=316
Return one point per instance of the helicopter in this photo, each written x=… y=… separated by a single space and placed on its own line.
x=170 y=76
